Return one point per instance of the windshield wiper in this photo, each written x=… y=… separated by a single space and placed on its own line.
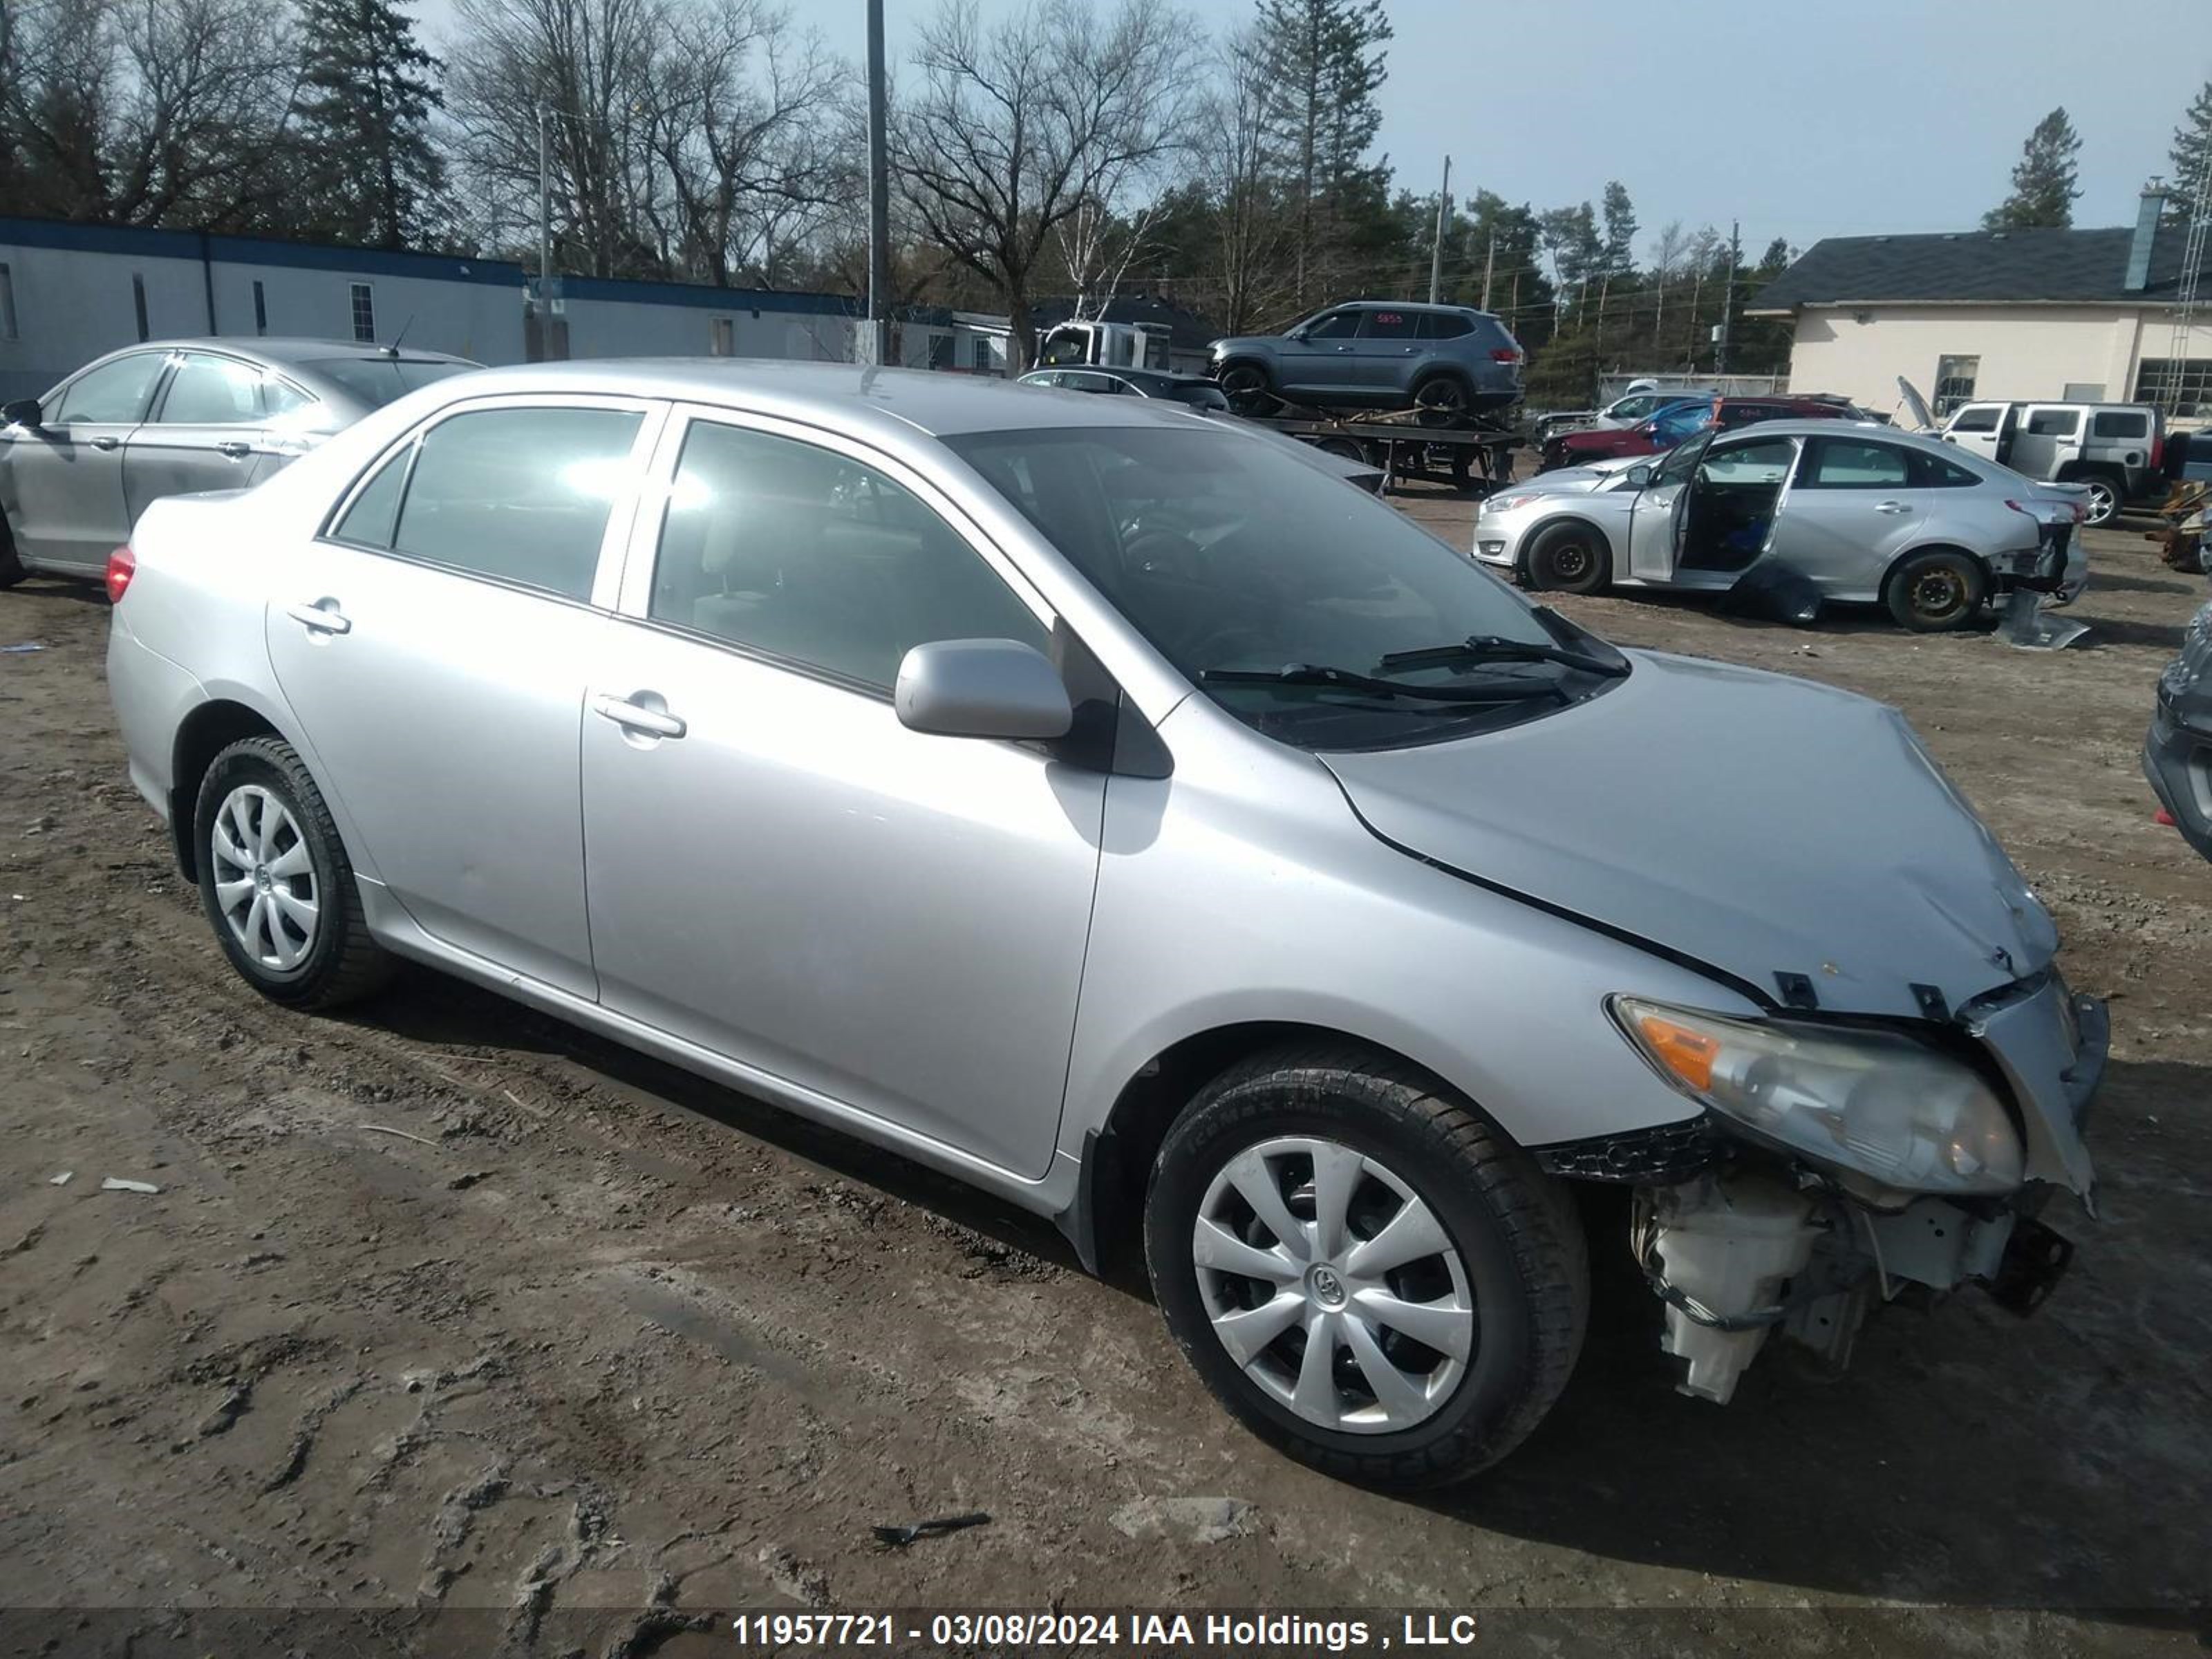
x=1492 y=647
x=1343 y=680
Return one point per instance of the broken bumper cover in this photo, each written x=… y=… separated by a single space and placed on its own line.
x=2177 y=755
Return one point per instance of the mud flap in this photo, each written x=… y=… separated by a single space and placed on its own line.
x=2036 y=1258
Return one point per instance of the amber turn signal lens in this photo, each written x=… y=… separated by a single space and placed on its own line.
x=1688 y=1055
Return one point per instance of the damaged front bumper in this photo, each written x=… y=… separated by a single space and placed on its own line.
x=1740 y=1240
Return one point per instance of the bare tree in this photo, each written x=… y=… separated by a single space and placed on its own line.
x=586 y=65
x=1234 y=157
x=743 y=118
x=1009 y=134
x=1669 y=249
x=145 y=111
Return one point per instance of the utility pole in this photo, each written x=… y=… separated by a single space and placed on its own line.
x=874 y=343
x=1727 y=304
x=1489 y=262
x=545 y=201
x=1436 y=248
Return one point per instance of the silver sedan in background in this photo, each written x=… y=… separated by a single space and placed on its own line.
x=172 y=417
x=1865 y=513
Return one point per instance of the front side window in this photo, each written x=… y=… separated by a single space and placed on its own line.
x=1234 y=557
x=114 y=394
x=1983 y=417
x=1762 y=461
x=520 y=495
x=210 y=390
x=1854 y=464
x=1334 y=326
x=799 y=554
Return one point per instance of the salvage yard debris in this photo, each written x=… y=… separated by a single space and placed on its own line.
x=113 y=1184
x=900 y=1537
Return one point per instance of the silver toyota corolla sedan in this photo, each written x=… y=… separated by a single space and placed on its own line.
x=78 y=465
x=1110 y=809
x=1866 y=513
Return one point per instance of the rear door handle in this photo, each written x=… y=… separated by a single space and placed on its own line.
x=325 y=617
x=637 y=717
x=234 y=449
x=106 y=442
x=1893 y=507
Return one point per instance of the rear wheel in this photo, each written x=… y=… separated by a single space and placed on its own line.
x=275 y=881
x=1364 y=1269
x=2104 y=497
x=1935 y=591
x=1441 y=398
x=1569 y=557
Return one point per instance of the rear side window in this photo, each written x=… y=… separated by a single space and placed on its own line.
x=1445 y=326
x=1935 y=472
x=520 y=495
x=2120 y=423
x=797 y=552
x=1983 y=417
x=2055 y=422
x=210 y=390
x=1854 y=464
x=1391 y=325
x=114 y=393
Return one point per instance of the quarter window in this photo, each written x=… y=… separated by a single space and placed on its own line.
x=1445 y=326
x=114 y=394
x=209 y=391
x=2120 y=423
x=369 y=521
x=1854 y=464
x=1939 y=472
x=519 y=494
x=799 y=554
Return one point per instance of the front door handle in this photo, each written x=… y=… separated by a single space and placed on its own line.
x=633 y=716
x=1893 y=507
x=104 y=441
x=321 y=617
x=234 y=449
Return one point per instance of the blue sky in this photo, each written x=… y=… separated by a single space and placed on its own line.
x=1801 y=118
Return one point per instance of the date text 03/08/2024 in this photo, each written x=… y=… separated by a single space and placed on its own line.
x=1146 y=1631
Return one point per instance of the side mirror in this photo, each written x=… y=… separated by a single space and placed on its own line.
x=1640 y=477
x=23 y=411
x=981 y=689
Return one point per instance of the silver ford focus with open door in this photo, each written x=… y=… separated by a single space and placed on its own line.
x=1110 y=809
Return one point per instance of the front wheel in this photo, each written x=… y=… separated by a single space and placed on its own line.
x=1935 y=591
x=276 y=883
x=1364 y=1269
x=1245 y=385
x=1570 y=557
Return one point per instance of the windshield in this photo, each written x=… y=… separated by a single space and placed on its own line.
x=377 y=381
x=1230 y=556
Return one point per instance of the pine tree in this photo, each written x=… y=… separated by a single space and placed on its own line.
x=1619 y=230
x=2192 y=150
x=371 y=173
x=2043 y=184
x=1323 y=61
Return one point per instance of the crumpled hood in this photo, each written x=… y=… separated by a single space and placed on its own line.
x=1754 y=822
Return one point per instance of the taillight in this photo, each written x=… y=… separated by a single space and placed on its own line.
x=2157 y=451
x=122 y=565
x=1503 y=354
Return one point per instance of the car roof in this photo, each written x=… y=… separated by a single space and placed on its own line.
x=856 y=397
x=286 y=348
x=1802 y=427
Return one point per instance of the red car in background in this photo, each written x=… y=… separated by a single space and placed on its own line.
x=1673 y=426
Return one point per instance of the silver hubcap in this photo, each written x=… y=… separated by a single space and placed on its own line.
x=264 y=882
x=1332 y=1286
x=2103 y=499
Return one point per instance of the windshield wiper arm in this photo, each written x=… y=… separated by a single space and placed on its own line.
x=1299 y=673
x=1490 y=648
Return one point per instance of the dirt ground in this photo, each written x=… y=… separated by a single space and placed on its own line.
x=443 y=1306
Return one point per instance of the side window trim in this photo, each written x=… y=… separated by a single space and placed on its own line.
x=614 y=540
x=160 y=406
x=634 y=601
x=1817 y=446
x=157 y=393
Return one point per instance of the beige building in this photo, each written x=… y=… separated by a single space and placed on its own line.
x=2079 y=314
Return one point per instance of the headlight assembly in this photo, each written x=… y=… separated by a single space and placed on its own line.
x=1868 y=1105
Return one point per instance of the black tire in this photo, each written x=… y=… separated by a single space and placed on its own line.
x=11 y=567
x=2106 y=497
x=1517 y=1238
x=1247 y=388
x=1569 y=557
x=342 y=963
x=1348 y=449
x=1441 y=399
x=1936 y=591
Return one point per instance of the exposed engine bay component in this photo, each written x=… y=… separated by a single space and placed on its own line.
x=1721 y=1252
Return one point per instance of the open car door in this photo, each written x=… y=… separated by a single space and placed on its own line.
x=1660 y=520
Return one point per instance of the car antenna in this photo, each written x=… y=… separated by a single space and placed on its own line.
x=392 y=350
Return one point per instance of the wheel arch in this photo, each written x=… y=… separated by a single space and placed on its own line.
x=211 y=727
x=1106 y=1216
x=1939 y=545
x=1543 y=527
